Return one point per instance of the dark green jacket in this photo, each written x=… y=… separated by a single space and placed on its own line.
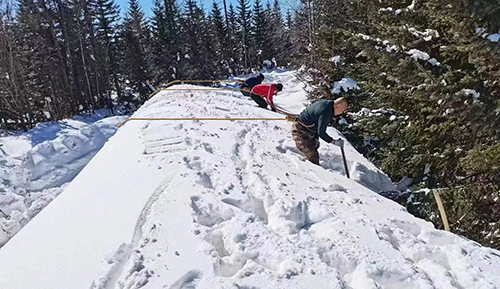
x=315 y=118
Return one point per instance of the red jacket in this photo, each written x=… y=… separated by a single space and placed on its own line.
x=266 y=91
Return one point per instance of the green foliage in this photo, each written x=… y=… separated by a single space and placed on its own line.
x=444 y=137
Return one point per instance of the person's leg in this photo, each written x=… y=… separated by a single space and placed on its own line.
x=259 y=100
x=306 y=143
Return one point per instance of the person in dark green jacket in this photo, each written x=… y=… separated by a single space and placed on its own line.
x=311 y=125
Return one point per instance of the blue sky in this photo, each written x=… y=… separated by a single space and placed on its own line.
x=147 y=5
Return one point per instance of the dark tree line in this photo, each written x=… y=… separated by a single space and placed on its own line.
x=60 y=58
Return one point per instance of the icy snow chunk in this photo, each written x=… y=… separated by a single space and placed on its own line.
x=345 y=84
x=392 y=118
x=391 y=48
x=494 y=37
x=388 y=9
x=362 y=54
x=427 y=35
x=417 y=54
x=343 y=121
x=398 y=12
x=434 y=62
x=11 y=227
x=37 y=158
x=365 y=37
x=412 y=5
x=3 y=237
x=471 y=92
x=267 y=63
x=335 y=59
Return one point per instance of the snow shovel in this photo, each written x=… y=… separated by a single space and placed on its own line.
x=345 y=163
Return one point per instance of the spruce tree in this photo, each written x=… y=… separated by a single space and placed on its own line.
x=235 y=60
x=198 y=56
x=259 y=37
x=219 y=38
x=106 y=26
x=243 y=30
x=135 y=33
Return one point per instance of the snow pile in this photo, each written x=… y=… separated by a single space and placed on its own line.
x=471 y=92
x=364 y=37
x=336 y=59
x=391 y=48
x=420 y=55
x=231 y=204
x=427 y=35
x=18 y=210
x=55 y=162
x=412 y=5
x=36 y=166
x=491 y=37
x=494 y=37
x=344 y=85
x=434 y=62
x=388 y=9
x=479 y=30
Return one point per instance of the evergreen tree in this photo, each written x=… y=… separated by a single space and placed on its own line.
x=243 y=30
x=235 y=60
x=259 y=29
x=278 y=36
x=198 y=55
x=135 y=33
x=428 y=64
x=106 y=26
x=14 y=95
x=219 y=38
x=167 y=40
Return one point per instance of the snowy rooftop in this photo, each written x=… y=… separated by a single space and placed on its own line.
x=233 y=204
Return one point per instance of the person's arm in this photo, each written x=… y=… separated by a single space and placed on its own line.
x=272 y=91
x=322 y=125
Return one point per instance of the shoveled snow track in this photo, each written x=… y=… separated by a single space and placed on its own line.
x=231 y=204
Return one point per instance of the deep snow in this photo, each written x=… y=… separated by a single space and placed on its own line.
x=232 y=204
x=36 y=166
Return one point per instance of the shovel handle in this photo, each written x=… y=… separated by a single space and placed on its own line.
x=345 y=162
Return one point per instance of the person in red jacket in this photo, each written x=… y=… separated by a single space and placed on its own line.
x=263 y=94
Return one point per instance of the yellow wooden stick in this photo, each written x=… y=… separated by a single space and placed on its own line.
x=441 y=211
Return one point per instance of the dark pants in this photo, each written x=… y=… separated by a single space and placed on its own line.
x=259 y=100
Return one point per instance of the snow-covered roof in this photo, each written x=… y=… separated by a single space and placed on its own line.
x=233 y=204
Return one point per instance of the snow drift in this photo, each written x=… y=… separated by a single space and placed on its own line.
x=232 y=204
x=36 y=166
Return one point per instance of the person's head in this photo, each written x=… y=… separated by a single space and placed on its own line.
x=340 y=105
x=261 y=76
x=279 y=86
